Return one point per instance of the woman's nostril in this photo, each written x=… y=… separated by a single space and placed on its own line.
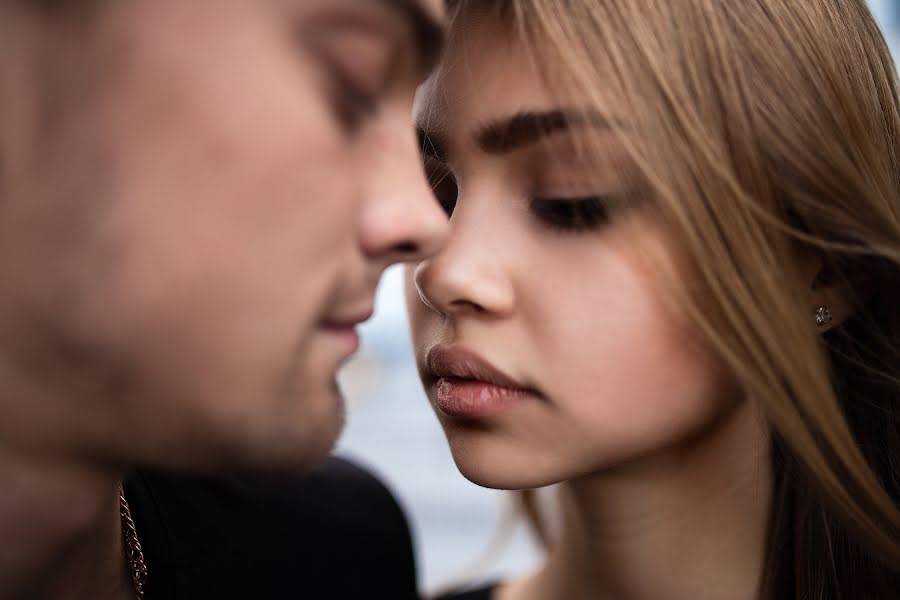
x=468 y=305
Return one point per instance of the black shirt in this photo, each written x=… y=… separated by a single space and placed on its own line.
x=482 y=593
x=334 y=534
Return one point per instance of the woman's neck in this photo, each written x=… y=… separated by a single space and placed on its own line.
x=689 y=524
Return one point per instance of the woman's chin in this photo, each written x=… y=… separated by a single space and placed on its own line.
x=497 y=474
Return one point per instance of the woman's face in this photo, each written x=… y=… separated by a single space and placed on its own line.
x=546 y=339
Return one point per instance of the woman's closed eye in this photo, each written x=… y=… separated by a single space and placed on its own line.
x=571 y=215
x=443 y=184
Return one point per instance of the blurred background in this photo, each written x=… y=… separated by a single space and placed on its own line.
x=461 y=531
x=888 y=14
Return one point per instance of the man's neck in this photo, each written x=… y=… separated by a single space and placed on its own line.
x=60 y=533
x=689 y=525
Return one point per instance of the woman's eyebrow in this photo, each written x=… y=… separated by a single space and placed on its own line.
x=525 y=128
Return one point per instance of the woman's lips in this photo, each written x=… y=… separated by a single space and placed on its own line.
x=474 y=399
x=468 y=386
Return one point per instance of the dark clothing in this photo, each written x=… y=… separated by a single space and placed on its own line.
x=335 y=534
x=482 y=593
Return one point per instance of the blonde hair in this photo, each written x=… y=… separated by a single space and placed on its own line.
x=765 y=128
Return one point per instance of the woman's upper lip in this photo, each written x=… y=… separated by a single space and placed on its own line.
x=461 y=363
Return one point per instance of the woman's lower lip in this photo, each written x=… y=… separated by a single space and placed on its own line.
x=472 y=399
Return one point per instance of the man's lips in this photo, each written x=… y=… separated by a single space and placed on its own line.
x=347 y=321
x=468 y=386
x=344 y=328
x=347 y=335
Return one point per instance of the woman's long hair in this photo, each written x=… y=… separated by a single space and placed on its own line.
x=767 y=129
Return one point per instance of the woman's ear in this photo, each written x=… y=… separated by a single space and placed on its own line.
x=834 y=297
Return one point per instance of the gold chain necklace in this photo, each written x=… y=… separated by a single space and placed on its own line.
x=134 y=555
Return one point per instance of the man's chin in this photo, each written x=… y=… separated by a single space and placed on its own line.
x=285 y=444
x=297 y=450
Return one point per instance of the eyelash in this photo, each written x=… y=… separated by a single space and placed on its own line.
x=571 y=215
x=565 y=215
x=442 y=183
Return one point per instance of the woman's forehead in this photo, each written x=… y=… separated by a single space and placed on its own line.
x=466 y=94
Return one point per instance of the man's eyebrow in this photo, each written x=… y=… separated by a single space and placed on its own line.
x=428 y=33
x=526 y=128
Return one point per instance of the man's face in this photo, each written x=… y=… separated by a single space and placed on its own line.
x=198 y=199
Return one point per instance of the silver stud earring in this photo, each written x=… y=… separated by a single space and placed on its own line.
x=823 y=316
